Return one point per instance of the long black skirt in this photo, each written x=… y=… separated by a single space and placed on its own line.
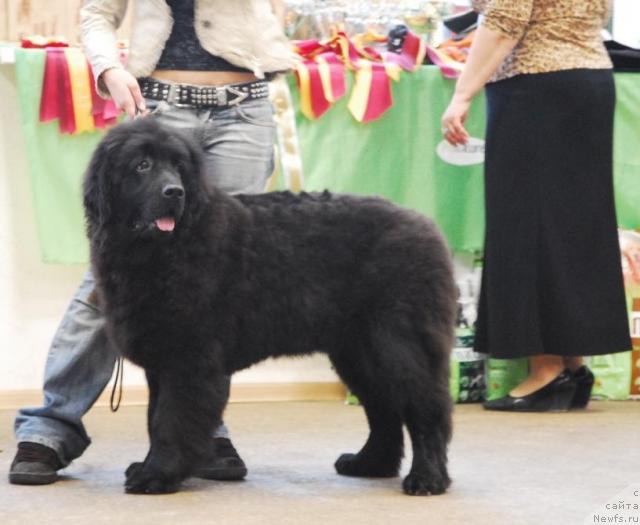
x=552 y=279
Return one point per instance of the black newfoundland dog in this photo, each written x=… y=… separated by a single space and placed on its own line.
x=196 y=284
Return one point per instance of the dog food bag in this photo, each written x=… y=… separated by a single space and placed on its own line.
x=612 y=373
x=630 y=251
x=504 y=374
x=618 y=375
x=467 y=369
x=351 y=399
x=635 y=351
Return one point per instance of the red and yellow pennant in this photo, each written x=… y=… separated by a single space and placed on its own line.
x=332 y=76
x=411 y=55
x=80 y=81
x=450 y=56
x=313 y=98
x=56 y=101
x=42 y=42
x=321 y=73
x=371 y=95
x=68 y=93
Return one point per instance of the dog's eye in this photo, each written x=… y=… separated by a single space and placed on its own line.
x=143 y=165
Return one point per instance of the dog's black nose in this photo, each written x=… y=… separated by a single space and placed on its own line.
x=173 y=191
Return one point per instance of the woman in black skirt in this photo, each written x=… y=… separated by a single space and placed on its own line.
x=552 y=286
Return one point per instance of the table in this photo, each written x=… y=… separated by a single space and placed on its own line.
x=395 y=156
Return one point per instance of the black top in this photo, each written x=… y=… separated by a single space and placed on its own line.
x=182 y=50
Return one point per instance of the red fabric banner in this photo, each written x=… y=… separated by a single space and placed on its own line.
x=321 y=73
x=56 y=101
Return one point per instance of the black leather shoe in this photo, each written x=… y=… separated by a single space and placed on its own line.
x=584 y=379
x=224 y=465
x=34 y=464
x=556 y=396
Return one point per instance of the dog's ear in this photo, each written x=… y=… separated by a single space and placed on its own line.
x=97 y=187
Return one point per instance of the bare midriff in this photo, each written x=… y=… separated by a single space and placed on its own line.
x=203 y=78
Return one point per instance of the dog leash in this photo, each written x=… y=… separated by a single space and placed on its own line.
x=117 y=383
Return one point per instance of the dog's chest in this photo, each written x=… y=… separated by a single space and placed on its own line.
x=151 y=312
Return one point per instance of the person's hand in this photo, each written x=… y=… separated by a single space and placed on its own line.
x=453 y=120
x=124 y=90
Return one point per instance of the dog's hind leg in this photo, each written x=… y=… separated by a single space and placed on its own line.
x=429 y=431
x=382 y=453
x=428 y=419
x=187 y=406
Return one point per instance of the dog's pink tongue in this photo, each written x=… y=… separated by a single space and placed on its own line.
x=166 y=224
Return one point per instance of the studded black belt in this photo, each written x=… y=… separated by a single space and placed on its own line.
x=193 y=96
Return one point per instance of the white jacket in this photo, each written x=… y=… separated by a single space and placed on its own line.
x=246 y=33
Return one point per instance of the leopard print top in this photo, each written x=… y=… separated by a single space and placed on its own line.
x=552 y=35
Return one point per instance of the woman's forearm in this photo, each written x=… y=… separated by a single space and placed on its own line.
x=487 y=52
x=98 y=23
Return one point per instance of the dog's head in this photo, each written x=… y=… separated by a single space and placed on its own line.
x=144 y=179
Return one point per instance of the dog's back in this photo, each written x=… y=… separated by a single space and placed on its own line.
x=323 y=263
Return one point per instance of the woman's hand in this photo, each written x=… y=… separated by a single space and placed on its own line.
x=124 y=90
x=453 y=120
x=488 y=51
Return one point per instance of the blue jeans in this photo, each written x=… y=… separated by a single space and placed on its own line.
x=238 y=144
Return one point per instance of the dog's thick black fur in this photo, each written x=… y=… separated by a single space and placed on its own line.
x=197 y=284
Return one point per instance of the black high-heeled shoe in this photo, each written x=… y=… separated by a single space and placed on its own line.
x=556 y=396
x=584 y=379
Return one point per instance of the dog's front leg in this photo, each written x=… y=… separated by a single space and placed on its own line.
x=152 y=384
x=185 y=408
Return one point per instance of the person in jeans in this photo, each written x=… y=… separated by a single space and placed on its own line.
x=193 y=64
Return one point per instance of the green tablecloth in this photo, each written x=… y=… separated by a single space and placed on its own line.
x=394 y=156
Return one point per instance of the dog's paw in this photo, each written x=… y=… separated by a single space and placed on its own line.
x=141 y=481
x=416 y=484
x=356 y=465
x=133 y=469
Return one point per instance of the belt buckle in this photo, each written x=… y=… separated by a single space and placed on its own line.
x=174 y=96
x=240 y=95
x=221 y=96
